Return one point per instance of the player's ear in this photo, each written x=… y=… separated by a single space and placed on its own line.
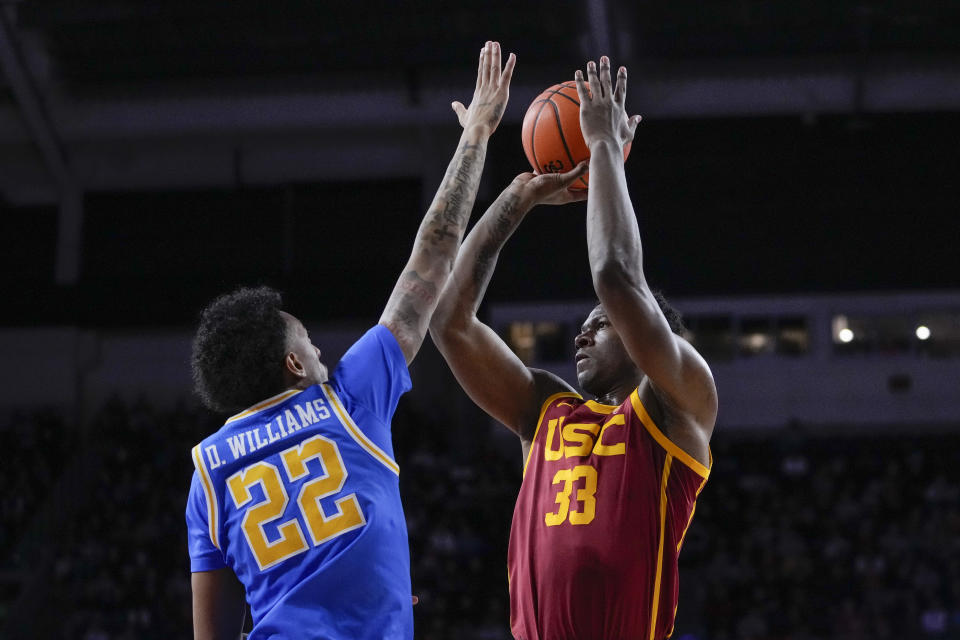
x=293 y=366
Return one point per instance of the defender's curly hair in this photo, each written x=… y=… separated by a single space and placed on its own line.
x=239 y=348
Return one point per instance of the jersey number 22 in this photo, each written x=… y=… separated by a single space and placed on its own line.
x=322 y=526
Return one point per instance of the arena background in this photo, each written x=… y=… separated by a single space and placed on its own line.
x=795 y=178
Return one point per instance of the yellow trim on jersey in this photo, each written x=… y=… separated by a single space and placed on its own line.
x=664 y=441
x=543 y=410
x=354 y=431
x=693 y=510
x=266 y=404
x=655 y=605
x=208 y=490
x=596 y=407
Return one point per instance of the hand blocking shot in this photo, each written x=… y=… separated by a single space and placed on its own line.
x=610 y=483
x=295 y=504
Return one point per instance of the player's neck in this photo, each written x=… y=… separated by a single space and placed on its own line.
x=617 y=394
x=304 y=383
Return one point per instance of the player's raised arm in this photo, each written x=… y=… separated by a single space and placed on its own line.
x=415 y=295
x=616 y=259
x=491 y=374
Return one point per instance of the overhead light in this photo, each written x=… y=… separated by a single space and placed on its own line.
x=841 y=328
x=923 y=332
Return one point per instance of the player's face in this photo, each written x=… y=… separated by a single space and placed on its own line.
x=602 y=361
x=298 y=343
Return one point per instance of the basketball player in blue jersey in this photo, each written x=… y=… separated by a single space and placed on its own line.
x=295 y=502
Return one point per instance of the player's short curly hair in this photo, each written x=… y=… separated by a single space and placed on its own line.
x=239 y=348
x=674 y=318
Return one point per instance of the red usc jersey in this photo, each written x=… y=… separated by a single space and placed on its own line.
x=605 y=502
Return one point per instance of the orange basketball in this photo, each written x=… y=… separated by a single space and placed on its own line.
x=551 y=132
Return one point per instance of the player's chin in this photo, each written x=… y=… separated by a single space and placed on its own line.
x=585 y=378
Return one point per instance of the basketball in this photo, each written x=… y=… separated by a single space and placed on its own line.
x=551 y=132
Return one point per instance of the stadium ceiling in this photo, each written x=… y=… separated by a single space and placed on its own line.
x=139 y=94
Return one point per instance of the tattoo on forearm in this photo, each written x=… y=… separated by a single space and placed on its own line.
x=407 y=311
x=439 y=235
x=459 y=187
x=416 y=288
x=500 y=230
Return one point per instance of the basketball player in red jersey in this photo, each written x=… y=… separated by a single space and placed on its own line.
x=609 y=484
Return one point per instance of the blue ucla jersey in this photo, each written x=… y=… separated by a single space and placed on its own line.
x=299 y=495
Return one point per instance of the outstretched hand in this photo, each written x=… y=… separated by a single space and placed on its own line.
x=603 y=115
x=492 y=92
x=550 y=188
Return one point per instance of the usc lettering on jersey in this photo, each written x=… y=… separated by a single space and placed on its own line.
x=600 y=518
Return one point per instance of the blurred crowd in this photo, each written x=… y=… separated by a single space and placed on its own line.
x=122 y=571
x=35 y=446
x=33 y=449
x=459 y=503
x=797 y=536
x=833 y=537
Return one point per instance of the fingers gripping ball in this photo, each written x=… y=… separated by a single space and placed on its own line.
x=551 y=132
